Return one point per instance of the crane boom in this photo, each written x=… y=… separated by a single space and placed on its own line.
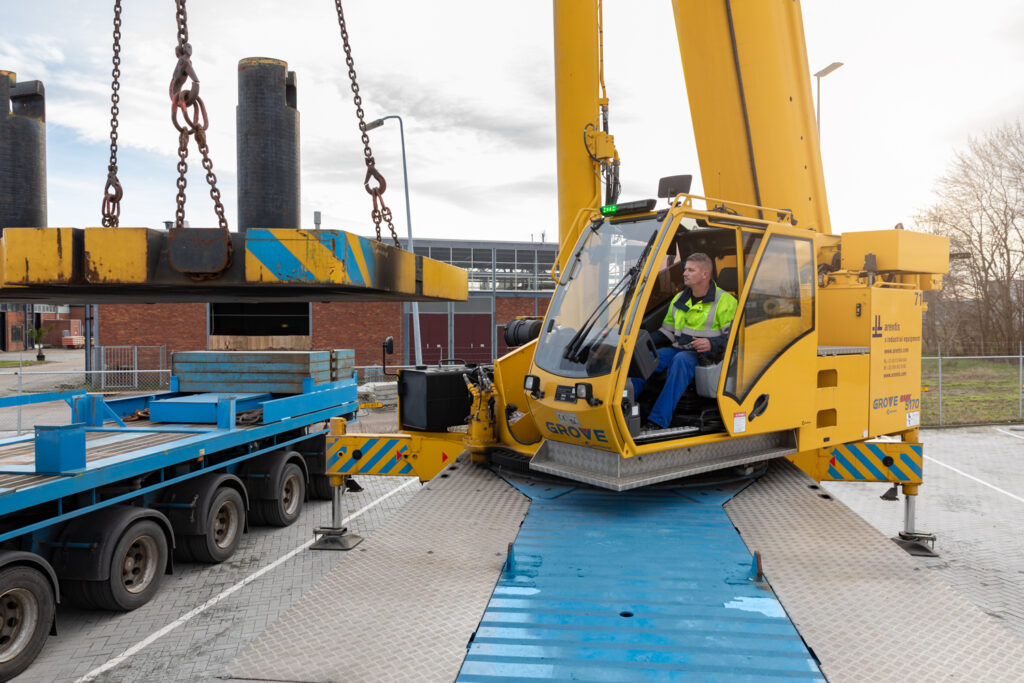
x=748 y=84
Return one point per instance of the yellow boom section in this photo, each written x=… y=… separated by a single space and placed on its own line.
x=749 y=88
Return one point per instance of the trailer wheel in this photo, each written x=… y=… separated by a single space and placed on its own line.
x=224 y=524
x=286 y=505
x=26 y=607
x=136 y=569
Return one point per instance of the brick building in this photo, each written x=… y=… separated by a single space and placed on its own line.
x=58 y=321
x=506 y=279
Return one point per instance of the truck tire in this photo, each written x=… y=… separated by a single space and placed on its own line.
x=225 y=521
x=286 y=505
x=320 y=487
x=26 y=609
x=136 y=569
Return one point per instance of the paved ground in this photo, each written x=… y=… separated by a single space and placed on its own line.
x=199 y=648
x=980 y=545
x=979 y=540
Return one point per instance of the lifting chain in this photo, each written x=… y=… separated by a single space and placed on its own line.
x=374 y=181
x=112 y=191
x=194 y=122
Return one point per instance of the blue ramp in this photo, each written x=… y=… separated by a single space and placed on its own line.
x=650 y=584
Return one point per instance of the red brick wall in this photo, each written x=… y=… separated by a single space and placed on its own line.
x=361 y=326
x=15 y=319
x=508 y=308
x=179 y=327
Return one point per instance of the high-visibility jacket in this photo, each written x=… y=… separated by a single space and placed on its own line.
x=709 y=316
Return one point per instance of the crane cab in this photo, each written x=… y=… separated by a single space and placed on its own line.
x=614 y=290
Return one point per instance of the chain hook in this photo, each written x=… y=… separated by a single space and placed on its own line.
x=112 y=191
x=372 y=174
x=380 y=212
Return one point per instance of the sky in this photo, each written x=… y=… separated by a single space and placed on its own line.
x=474 y=84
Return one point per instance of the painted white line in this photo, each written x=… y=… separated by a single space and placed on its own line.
x=148 y=640
x=973 y=478
x=1003 y=431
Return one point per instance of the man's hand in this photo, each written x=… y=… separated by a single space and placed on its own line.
x=701 y=345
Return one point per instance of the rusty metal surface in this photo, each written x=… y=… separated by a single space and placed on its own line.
x=198 y=250
x=124 y=265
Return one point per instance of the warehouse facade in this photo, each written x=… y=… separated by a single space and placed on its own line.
x=506 y=280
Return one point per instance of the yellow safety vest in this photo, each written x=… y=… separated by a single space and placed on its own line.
x=708 y=316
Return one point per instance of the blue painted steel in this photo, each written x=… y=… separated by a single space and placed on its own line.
x=644 y=585
x=93 y=411
x=343 y=393
x=319 y=408
x=133 y=495
x=200 y=408
x=59 y=450
x=28 y=399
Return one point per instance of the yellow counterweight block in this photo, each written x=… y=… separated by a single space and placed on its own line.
x=396 y=455
x=883 y=461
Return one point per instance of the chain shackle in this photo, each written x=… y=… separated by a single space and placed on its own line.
x=380 y=212
x=189 y=116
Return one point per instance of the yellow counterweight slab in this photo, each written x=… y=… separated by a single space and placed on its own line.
x=73 y=265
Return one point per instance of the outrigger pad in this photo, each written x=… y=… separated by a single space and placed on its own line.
x=335 y=539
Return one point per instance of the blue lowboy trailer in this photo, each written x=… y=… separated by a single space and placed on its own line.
x=97 y=509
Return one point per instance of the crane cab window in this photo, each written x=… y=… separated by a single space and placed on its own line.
x=779 y=310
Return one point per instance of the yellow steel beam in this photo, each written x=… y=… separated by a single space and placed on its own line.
x=748 y=83
x=394 y=455
x=131 y=264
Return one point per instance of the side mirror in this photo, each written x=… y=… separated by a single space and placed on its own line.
x=389 y=345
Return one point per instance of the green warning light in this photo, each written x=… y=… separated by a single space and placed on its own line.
x=628 y=208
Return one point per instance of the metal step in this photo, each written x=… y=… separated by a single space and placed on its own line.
x=648 y=435
x=612 y=471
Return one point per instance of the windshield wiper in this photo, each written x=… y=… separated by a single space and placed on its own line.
x=634 y=277
x=573 y=348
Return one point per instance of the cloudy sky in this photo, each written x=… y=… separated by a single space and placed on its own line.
x=474 y=83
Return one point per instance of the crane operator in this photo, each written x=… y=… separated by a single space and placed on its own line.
x=697 y=322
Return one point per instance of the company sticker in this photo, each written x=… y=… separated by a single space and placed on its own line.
x=568 y=419
x=914 y=418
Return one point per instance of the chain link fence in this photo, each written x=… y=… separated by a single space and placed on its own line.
x=972 y=389
x=956 y=390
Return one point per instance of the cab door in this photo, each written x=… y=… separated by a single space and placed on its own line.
x=770 y=366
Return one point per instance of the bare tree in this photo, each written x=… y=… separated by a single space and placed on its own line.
x=980 y=207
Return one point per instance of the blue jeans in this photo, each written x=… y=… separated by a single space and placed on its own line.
x=680 y=365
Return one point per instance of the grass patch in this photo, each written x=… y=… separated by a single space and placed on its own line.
x=14 y=363
x=973 y=391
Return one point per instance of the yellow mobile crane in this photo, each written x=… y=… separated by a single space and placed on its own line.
x=823 y=355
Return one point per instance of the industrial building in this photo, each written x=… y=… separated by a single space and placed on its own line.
x=506 y=280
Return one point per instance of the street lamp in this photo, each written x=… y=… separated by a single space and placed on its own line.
x=821 y=74
x=408 y=224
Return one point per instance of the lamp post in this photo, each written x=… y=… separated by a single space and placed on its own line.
x=408 y=224
x=819 y=75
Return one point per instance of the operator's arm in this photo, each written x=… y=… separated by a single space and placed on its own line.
x=723 y=321
x=668 y=327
